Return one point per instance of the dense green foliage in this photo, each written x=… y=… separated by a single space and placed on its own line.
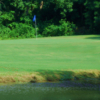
x=57 y=17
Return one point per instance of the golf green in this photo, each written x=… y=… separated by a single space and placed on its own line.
x=51 y=53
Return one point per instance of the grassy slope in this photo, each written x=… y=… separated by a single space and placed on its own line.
x=72 y=52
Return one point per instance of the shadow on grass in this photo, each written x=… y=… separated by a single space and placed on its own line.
x=95 y=38
x=57 y=76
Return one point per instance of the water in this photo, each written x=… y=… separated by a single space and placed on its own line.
x=50 y=91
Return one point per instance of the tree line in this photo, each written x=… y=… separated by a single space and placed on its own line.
x=54 y=17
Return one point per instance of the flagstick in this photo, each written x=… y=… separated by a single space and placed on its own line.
x=35 y=29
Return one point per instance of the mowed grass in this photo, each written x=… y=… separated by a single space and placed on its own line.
x=51 y=53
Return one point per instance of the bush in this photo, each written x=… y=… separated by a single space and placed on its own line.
x=23 y=30
x=65 y=28
x=16 y=30
x=51 y=30
x=4 y=32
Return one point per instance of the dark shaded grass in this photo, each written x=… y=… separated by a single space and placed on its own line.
x=56 y=75
x=95 y=37
x=82 y=77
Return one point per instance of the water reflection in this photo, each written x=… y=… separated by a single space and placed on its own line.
x=50 y=91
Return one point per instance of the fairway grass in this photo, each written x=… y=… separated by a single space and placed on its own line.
x=51 y=53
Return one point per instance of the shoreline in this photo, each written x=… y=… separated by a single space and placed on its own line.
x=81 y=76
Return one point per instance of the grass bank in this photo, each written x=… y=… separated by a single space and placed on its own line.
x=23 y=60
x=89 y=76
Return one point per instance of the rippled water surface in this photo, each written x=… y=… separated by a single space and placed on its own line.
x=50 y=91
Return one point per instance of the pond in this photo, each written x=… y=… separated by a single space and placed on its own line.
x=50 y=91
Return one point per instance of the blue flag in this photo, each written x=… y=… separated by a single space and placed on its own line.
x=34 y=18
